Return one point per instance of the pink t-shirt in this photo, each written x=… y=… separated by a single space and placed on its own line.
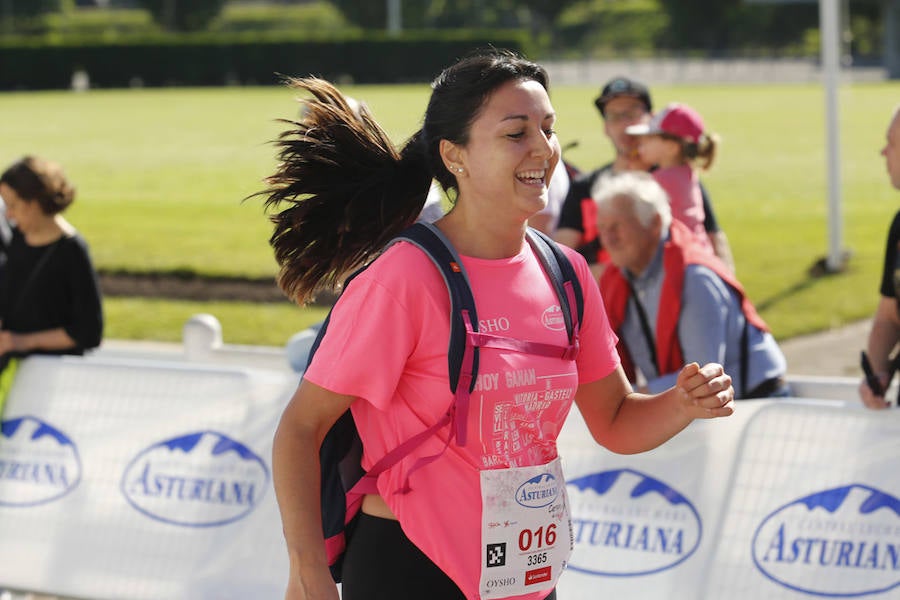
x=387 y=344
x=685 y=199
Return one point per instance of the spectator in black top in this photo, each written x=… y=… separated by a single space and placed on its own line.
x=885 y=334
x=622 y=102
x=50 y=296
x=5 y=237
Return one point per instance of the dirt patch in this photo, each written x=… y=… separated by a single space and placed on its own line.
x=198 y=288
x=190 y=286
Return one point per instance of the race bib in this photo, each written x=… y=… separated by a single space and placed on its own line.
x=526 y=529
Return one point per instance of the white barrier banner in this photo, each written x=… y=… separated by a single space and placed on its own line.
x=642 y=522
x=783 y=500
x=813 y=507
x=141 y=480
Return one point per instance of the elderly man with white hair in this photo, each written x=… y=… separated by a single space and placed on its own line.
x=670 y=302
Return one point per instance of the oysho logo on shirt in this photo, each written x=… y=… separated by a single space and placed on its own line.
x=626 y=523
x=539 y=491
x=38 y=462
x=843 y=541
x=493 y=325
x=200 y=479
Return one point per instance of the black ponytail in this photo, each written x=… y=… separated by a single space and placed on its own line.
x=341 y=190
x=347 y=190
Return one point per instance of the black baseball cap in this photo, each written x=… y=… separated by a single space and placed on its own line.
x=623 y=86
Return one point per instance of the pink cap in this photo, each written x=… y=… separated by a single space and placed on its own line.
x=675 y=119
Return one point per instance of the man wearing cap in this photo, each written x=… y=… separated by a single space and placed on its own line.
x=622 y=103
x=885 y=334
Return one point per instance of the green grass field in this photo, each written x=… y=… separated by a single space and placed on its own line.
x=162 y=173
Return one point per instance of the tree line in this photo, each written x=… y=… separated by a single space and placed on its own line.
x=559 y=25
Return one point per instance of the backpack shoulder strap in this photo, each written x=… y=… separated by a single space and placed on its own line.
x=562 y=274
x=438 y=248
x=343 y=481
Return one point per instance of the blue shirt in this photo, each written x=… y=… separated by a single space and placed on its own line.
x=709 y=328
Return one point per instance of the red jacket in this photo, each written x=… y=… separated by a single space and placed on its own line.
x=679 y=251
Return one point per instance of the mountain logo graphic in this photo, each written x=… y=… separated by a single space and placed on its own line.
x=200 y=479
x=38 y=462
x=539 y=491
x=627 y=523
x=839 y=542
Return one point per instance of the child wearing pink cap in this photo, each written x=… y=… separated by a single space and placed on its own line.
x=675 y=140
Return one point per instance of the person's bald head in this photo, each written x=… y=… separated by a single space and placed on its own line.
x=891 y=150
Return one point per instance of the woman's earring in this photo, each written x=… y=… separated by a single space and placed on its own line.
x=459 y=169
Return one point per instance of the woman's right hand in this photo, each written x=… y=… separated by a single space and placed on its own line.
x=706 y=391
x=869 y=398
x=296 y=475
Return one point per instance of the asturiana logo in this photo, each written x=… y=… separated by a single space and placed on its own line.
x=839 y=542
x=38 y=462
x=539 y=491
x=626 y=523
x=200 y=479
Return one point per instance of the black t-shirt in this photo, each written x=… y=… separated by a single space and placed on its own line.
x=64 y=292
x=571 y=216
x=5 y=237
x=890 y=276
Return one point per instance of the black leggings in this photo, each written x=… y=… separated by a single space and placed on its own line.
x=382 y=564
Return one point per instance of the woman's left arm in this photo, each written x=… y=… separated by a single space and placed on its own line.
x=621 y=419
x=85 y=328
x=626 y=422
x=25 y=343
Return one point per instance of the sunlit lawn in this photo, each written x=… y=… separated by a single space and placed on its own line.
x=162 y=174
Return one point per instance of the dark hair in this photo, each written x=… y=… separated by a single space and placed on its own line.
x=348 y=190
x=41 y=181
x=623 y=86
x=703 y=150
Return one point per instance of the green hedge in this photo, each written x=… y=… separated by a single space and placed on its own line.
x=203 y=59
x=609 y=28
x=636 y=28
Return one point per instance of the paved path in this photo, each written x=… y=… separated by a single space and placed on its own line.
x=834 y=352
